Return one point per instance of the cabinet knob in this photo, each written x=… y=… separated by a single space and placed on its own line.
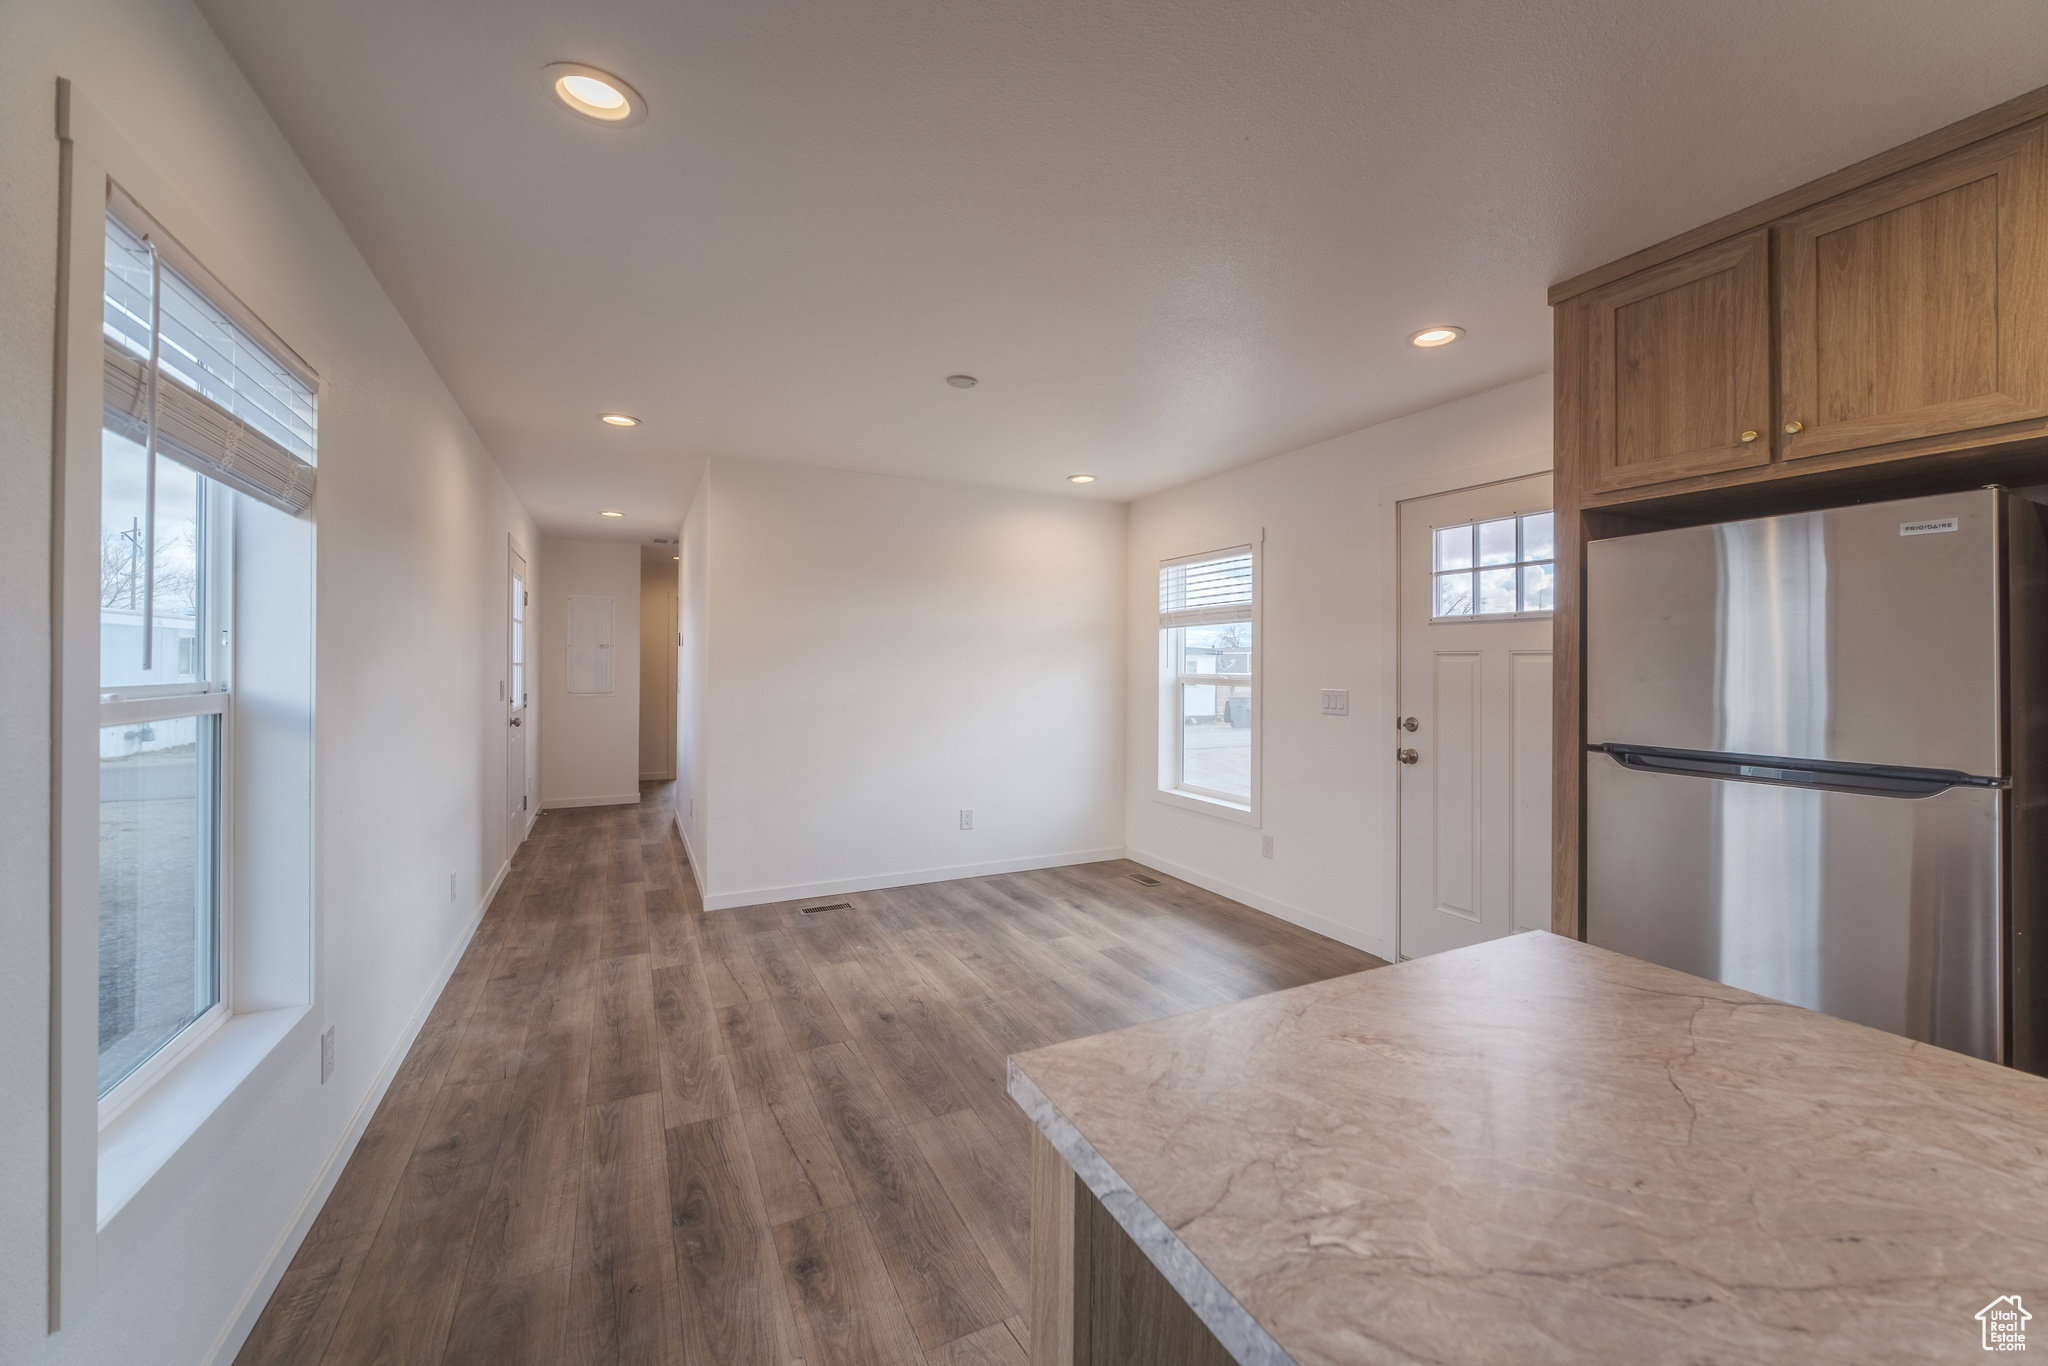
x=1794 y=428
x=1748 y=437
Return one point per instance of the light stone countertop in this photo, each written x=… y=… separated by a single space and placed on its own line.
x=1538 y=1151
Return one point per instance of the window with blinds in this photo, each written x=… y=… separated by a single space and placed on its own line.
x=201 y=403
x=1206 y=609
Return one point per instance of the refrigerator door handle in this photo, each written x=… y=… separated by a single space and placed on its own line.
x=1827 y=775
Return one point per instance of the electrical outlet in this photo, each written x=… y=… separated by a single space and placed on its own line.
x=1336 y=701
x=326 y=1054
x=966 y=818
x=451 y=889
x=1265 y=846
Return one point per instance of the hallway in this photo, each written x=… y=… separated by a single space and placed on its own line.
x=634 y=1133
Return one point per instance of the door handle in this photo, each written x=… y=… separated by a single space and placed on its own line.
x=1407 y=756
x=515 y=720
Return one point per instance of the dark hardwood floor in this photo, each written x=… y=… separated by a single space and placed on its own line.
x=634 y=1133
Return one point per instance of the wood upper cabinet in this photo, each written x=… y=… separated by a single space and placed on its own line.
x=1913 y=307
x=1678 y=367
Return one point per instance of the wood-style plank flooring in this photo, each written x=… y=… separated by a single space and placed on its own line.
x=634 y=1133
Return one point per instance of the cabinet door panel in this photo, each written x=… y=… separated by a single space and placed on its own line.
x=1910 y=308
x=1679 y=367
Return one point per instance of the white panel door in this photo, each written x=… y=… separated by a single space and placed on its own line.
x=1472 y=739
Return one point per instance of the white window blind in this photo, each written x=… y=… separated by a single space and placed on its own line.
x=233 y=402
x=590 y=645
x=1206 y=588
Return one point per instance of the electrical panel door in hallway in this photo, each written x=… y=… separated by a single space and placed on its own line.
x=635 y=1134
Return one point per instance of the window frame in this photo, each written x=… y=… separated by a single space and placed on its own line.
x=1172 y=788
x=1518 y=564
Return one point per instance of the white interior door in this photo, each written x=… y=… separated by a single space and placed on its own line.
x=1473 y=736
x=516 y=795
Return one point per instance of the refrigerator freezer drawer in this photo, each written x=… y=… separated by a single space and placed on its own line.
x=1882 y=910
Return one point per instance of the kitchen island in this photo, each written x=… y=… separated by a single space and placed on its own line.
x=1527 y=1151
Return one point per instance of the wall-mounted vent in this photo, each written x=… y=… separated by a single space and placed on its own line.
x=1144 y=881
x=835 y=906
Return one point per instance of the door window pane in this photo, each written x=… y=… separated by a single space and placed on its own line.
x=1539 y=592
x=159 y=803
x=1496 y=592
x=1497 y=541
x=1538 y=536
x=180 y=580
x=518 y=641
x=1454 y=547
x=1454 y=595
x=1216 y=738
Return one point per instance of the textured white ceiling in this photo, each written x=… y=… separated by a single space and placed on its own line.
x=1169 y=236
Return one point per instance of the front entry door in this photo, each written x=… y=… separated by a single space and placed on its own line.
x=516 y=796
x=1472 y=740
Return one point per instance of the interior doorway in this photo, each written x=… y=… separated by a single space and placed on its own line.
x=1472 y=736
x=517 y=795
x=659 y=642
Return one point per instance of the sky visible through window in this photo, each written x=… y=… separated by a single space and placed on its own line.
x=1495 y=568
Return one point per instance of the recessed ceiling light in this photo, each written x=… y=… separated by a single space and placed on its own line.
x=1080 y=479
x=962 y=381
x=611 y=514
x=1436 y=336
x=618 y=419
x=596 y=95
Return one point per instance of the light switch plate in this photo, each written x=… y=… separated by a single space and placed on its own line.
x=1336 y=701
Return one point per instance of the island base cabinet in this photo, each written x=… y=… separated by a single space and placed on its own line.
x=1096 y=1299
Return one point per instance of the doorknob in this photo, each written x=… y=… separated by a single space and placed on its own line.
x=515 y=720
x=1407 y=756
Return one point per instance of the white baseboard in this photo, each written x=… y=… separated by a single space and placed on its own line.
x=761 y=895
x=250 y=1308
x=690 y=854
x=1293 y=915
x=623 y=799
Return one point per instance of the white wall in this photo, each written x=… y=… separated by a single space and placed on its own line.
x=1329 y=784
x=412 y=526
x=884 y=652
x=590 y=749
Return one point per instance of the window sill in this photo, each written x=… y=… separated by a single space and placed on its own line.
x=185 y=1119
x=1208 y=806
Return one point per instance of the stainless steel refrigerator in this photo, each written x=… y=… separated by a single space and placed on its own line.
x=1817 y=756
